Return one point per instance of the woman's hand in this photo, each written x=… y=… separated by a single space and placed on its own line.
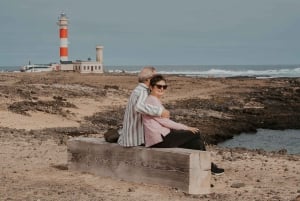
x=193 y=129
x=165 y=114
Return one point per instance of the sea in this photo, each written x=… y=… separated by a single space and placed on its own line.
x=269 y=140
x=259 y=71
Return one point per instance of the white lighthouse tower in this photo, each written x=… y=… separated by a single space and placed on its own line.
x=78 y=65
x=63 y=35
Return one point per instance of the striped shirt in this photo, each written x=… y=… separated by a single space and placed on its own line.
x=132 y=133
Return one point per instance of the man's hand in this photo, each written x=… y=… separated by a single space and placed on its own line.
x=165 y=114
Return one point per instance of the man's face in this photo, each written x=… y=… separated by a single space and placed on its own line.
x=147 y=82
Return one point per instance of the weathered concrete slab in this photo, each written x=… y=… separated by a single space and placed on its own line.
x=185 y=169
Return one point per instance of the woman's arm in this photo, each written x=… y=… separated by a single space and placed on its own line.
x=170 y=124
x=166 y=122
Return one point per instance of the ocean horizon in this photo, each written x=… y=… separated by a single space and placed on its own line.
x=259 y=71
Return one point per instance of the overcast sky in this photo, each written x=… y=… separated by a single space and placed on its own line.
x=142 y=32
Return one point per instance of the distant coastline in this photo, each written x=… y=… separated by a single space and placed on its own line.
x=259 y=71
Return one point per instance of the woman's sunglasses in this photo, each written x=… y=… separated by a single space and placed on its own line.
x=159 y=86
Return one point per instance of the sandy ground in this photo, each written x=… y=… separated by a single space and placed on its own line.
x=33 y=165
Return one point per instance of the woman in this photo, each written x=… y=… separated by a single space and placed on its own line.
x=165 y=133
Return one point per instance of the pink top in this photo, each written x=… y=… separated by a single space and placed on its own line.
x=155 y=127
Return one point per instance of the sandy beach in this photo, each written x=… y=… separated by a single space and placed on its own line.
x=39 y=112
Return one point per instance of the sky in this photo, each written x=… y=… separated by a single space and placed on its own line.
x=153 y=32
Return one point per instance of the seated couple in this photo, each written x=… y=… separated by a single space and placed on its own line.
x=146 y=121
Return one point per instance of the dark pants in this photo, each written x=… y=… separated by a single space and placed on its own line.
x=183 y=139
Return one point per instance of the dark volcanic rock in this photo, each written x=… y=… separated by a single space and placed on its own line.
x=264 y=107
x=53 y=107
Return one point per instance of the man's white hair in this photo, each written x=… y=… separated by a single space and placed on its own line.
x=146 y=73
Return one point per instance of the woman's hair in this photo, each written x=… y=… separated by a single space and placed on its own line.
x=156 y=78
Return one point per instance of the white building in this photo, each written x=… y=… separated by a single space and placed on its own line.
x=66 y=66
x=91 y=66
x=85 y=66
x=88 y=67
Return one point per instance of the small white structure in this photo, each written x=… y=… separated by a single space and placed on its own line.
x=88 y=67
x=99 y=54
x=66 y=66
x=40 y=67
x=91 y=66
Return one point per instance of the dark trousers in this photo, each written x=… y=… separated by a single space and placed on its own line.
x=183 y=139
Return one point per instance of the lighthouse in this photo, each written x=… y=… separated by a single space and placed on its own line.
x=78 y=65
x=63 y=35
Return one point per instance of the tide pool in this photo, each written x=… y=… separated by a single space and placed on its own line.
x=268 y=140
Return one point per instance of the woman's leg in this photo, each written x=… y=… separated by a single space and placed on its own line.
x=188 y=140
x=183 y=139
x=197 y=144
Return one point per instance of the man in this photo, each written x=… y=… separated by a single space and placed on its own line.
x=132 y=133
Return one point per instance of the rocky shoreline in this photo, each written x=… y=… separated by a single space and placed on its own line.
x=273 y=106
x=268 y=107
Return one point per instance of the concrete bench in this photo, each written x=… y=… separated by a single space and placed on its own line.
x=184 y=169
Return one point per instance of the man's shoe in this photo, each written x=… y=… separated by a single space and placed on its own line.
x=215 y=170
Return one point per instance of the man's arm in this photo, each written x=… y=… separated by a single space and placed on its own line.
x=148 y=109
